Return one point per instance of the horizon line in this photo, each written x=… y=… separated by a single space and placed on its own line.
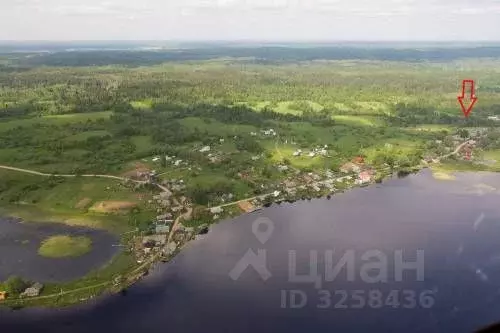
x=247 y=40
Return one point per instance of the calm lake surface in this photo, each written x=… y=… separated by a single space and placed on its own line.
x=20 y=241
x=455 y=223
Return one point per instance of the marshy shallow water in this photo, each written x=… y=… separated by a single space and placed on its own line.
x=20 y=241
x=456 y=224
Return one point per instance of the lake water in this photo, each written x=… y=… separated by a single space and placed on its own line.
x=456 y=225
x=20 y=241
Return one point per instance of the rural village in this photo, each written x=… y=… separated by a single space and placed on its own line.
x=171 y=228
x=168 y=234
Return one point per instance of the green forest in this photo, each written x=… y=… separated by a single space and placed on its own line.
x=99 y=111
x=219 y=124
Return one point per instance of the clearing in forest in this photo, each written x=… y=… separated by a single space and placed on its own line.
x=112 y=206
x=83 y=203
x=138 y=168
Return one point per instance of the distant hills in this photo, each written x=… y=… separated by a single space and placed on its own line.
x=130 y=53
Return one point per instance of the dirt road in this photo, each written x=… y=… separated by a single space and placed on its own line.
x=33 y=172
x=456 y=151
x=37 y=173
x=175 y=225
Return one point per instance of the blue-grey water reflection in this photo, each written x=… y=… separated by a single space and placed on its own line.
x=20 y=241
x=455 y=223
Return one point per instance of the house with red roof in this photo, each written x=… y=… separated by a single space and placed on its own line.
x=350 y=167
x=358 y=160
x=365 y=177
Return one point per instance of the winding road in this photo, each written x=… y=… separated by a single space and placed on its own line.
x=456 y=151
x=163 y=188
x=33 y=172
x=174 y=226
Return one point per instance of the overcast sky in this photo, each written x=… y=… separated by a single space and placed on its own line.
x=333 y=20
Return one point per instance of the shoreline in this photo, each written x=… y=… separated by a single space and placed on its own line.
x=143 y=294
x=134 y=274
x=22 y=243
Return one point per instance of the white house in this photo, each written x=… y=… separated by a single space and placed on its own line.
x=282 y=167
x=323 y=152
x=216 y=210
x=205 y=149
x=270 y=132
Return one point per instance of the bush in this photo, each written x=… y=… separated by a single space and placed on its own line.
x=15 y=285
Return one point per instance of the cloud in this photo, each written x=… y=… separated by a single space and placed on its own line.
x=82 y=10
x=373 y=8
x=106 y=9
x=254 y=19
x=239 y=5
x=79 y=8
x=476 y=10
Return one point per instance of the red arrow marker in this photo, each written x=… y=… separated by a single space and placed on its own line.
x=470 y=100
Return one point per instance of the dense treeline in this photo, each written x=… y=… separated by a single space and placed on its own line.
x=353 y=88
x=264 y=54
x=408 y=115
x=350 y=88
x=114 y=143
x=174 y=109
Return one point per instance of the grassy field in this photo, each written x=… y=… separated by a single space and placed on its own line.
x=493 y=158
x=217 y=127
x=441 y=175
x=63 y=246
x=357 y=120
x=86 y=135
x=66 y=200
x=113 y=119
x=450 y=166
x=92 y=284
x=53 y=120
x=142 y=105
x=432 y=128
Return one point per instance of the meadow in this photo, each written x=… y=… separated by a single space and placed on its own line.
x=106 y=119
x=113 y=113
